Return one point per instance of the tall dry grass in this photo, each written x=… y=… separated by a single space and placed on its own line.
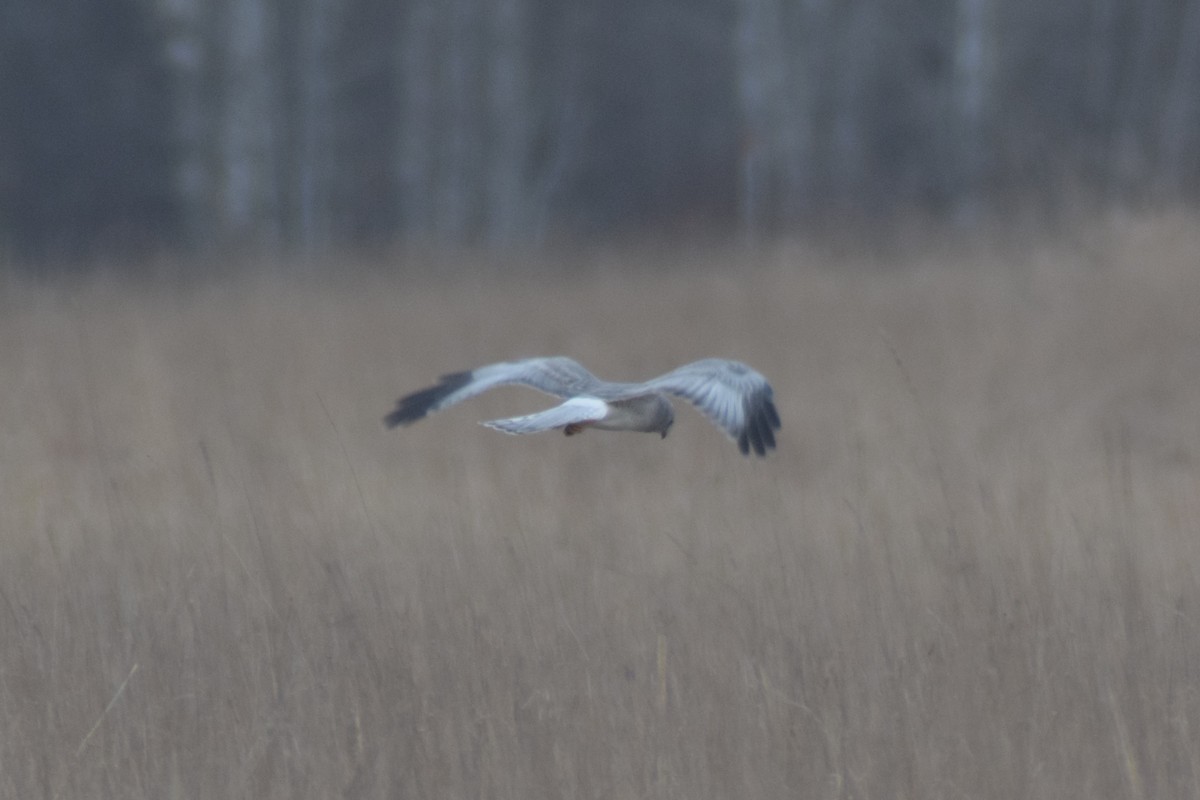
x=970 y=570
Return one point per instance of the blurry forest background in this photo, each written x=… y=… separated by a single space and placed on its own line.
x=309 y=126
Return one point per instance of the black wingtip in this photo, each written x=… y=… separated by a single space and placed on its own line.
x=773 y=415
x=420 y=404
x=398 y=417
x=762 y=420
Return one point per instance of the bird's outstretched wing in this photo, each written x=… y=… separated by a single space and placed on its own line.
x=575 y=411
x=558 y=376
x=732 y=395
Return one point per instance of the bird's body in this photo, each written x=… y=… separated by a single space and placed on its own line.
x=732 y=395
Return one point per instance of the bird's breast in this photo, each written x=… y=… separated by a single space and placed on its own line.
x=633 y=414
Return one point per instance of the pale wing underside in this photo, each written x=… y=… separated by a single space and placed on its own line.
x=575 y=411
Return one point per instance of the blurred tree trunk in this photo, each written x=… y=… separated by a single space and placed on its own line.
x=227 y=77
x=418 y=149
x=860 y=30
x=1140 y=96
x=249 y=110
x=1102 y=66
x=190 y=25
x=439 y=149
x=761 y=75
x=778 y=91
x=972 y=92
x=460 y=132
x=1179 y=143
x=508 y=216
x=313 y=121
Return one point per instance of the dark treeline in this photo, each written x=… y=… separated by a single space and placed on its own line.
x=311 y=124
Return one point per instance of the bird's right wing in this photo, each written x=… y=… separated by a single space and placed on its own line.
x=733 y=396
x=558 y=376
x=573 y=412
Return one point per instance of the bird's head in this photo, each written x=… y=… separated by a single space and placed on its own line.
x=664 y=417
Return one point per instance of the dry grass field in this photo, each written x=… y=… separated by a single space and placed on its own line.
x=971 y=569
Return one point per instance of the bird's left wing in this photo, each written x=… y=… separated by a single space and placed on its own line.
x=557 y=375
x=733 y=396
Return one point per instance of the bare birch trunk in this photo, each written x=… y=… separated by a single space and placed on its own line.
x=416 y=152
x=507 y=215
x=1179 y=139
x=972 y=89
x=315 y=117
x=761 y=66
x=190 y=61
x=248 y=205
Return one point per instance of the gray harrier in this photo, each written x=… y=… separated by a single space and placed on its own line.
x=733 y=396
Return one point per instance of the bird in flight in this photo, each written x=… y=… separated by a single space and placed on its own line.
x=733 y=396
